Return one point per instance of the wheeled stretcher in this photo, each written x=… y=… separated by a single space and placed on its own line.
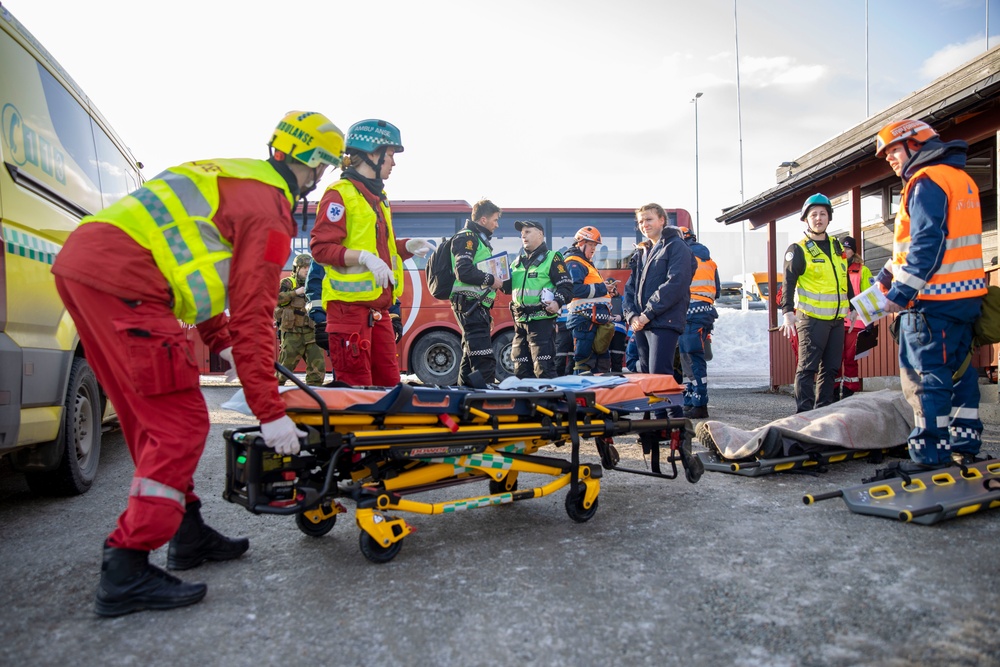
x=381 y=447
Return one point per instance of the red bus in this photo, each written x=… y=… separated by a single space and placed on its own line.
x=431 y=345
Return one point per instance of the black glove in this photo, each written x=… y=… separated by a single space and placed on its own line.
x=397 y=326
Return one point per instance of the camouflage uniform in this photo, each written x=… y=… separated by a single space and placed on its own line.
x=298 y=333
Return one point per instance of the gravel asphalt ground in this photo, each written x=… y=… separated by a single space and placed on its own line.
x=729 y=571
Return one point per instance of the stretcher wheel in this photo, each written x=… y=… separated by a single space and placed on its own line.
x=375 y=552
x=574 y=506
x=315 y=529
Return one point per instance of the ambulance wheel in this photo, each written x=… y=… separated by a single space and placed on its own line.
x=574 y=506
x=375 y=552
x=80 y=437
x=315 y=529
x=502 y=346
x=436 y=358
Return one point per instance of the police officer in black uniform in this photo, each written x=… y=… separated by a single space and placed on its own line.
x=473 y=294
x=540 y=286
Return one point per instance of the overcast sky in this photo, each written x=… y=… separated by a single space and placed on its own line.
x=574 y=103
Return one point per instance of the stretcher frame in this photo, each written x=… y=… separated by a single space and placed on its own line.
x=377 y=459
x=811 y=462
x=927 y=497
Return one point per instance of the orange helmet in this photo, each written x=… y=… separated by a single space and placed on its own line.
x=588 y=233
x=686 y=233
x=901 y=130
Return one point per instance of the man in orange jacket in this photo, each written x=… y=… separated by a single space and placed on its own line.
x=935 y=280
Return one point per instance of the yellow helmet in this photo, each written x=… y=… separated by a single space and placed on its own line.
x=310 y=138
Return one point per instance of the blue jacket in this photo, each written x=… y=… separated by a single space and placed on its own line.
x=660 y=283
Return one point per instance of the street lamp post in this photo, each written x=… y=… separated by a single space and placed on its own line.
x=697 y=201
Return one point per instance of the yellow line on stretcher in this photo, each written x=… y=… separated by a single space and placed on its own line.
x=436 y=472
x=476 y=501
x=393 y=420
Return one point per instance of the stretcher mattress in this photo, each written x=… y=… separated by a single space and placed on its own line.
x=637 y=392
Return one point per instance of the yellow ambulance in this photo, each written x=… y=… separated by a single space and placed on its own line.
x=61 y=161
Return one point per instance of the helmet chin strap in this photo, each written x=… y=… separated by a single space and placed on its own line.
x=376 y=167
x=306 y=189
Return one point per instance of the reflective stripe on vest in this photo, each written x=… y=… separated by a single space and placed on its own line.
x=150 y=488
x=703 y=282
x=593 y=277
x=961 y=272
x=355 y=284
x=527 y=284
x=483 y=253
x=171 y=216
x=821 y=291
x=861 y=279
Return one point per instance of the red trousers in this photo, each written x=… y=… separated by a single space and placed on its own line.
x=146 y=366
x=849 y=374
x=361 y=355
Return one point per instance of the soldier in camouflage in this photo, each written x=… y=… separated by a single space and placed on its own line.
x=298 y=332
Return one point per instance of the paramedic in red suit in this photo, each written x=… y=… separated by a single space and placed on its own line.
x=221 y=229
x=363 y=260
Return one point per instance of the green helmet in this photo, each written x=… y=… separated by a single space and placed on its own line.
x=369 y=135
x=817 y=200
x=300 y=261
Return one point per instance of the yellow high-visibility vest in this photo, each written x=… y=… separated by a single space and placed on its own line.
x=821 y=291
x=356 y=283
x=172 y=215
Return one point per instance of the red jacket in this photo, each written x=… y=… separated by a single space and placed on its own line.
x=329 y=234
x=257 y=220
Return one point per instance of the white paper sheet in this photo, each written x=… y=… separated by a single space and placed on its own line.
x=870 y=304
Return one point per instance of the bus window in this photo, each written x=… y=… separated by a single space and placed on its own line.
x=437 y=228
x=618 y=236
x=507 y=239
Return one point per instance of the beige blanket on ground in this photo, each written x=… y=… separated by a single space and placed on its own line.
x=869 y=420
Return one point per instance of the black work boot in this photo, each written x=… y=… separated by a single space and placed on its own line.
x=697 y=412
x=962 y=459
x=196 y=543
x=129 y=583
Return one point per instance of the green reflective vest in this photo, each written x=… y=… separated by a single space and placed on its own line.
x=171 y=216
x=356 y=283
x=483 y=252
x=527 y=284
x=821 y=291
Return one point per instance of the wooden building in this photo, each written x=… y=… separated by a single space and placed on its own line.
x=964 y=104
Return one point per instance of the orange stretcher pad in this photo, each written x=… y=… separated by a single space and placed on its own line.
x=641 y=392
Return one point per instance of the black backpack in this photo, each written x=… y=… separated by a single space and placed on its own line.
x=440 y=276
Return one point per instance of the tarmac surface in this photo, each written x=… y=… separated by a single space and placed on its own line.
x=729 y=571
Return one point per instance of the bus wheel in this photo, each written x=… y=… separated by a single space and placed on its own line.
x=436 y=357
x=81 y=438
x=502 y=345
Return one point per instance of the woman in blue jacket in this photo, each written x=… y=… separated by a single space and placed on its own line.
x=658 y=290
